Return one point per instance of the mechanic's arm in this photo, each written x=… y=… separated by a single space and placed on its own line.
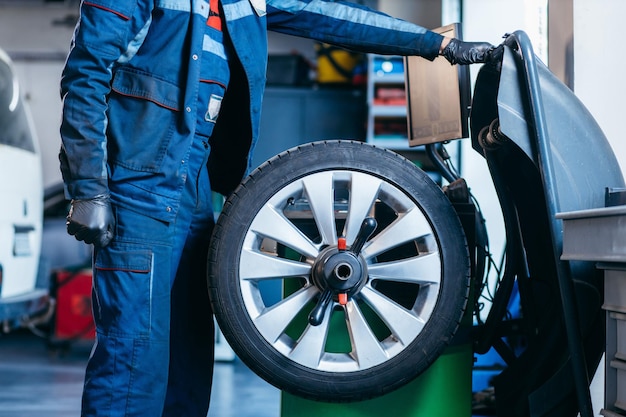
x=105 y=30
x=359 y=28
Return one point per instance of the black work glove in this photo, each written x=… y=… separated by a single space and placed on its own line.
x=463 y=53
x=92 y=220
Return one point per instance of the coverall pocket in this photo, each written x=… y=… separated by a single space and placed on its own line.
x=142 y=119
x=209 y=105
x=123 y=291
x=123 y=9
x=114 y=15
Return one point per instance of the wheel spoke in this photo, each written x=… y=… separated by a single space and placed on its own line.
x=256 y=266
x=319 y=190
x=408 y=226
x=273 y=321
x=404 y=325
x=363 y=192
x=270 y=223
x=422 y=269
x=310 y=347
x=366 y=348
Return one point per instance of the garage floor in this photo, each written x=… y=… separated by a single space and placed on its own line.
x=39 y=382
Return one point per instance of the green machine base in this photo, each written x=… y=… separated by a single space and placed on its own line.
x=444 y=389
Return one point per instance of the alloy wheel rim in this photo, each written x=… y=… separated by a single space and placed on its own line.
x=402 y=256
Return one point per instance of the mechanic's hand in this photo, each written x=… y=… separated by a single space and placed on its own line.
x=92 y=220
x=463 y=53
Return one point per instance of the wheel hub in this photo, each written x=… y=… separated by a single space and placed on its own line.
x=339 y=271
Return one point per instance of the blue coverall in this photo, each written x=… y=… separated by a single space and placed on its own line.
x=142 y=88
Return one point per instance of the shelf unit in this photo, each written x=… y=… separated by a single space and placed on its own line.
x=387 y=122
x=386 y=100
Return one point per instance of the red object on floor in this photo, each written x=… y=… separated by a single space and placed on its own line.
x=73 y=317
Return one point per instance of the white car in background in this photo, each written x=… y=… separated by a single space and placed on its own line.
x=24 y=288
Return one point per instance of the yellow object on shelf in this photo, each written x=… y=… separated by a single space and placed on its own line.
x=334 y=64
